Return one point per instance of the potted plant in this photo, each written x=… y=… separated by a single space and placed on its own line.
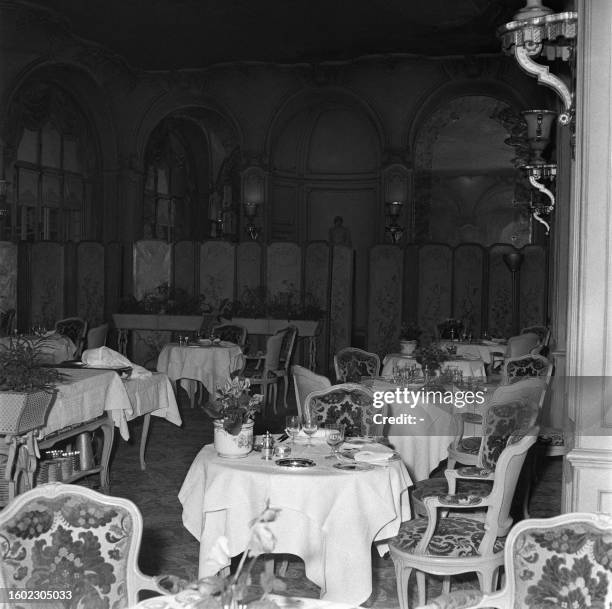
x=233 y=410
x=409 y=336
x=431 y=357
x=27 y=389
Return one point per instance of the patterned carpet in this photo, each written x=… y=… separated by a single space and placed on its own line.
x=168 y=547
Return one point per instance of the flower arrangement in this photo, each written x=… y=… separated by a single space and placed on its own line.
x=450 y=328
x=234 y=404
x=410 y=331
x=220 y=592
x=431 y=356
x=166 y=300
x=20 y=367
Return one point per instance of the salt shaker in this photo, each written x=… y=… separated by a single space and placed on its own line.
x=267 y=447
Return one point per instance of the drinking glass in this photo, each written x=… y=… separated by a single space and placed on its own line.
x=334 y=436
x=292 y=427
x=309 y=426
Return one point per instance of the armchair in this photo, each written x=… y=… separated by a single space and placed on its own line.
x=69 y=538
x=351 y=364
x=550 y=562
x=75 y=329
x=304 y=382
x=517 y=368
x=447 y=542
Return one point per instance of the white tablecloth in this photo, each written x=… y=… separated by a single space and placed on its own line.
x=86 y=394
x=423 y=443
x=476 y=349
x=470 y=366
x=54 y=348
x=212 y=366
x=189 y=599
x=328 y=517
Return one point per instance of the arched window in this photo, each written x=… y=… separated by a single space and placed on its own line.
x=170 y=187
x=55 y=170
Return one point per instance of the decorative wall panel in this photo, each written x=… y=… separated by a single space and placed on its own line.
x=46 y=283
x=90 y=282
x=152 y=260
x=217 y=271
x=341 y=299
x=467 y=286
x=385 y=298
x=184 y=266
x=113 y=280
x=8 y=275
x=316 y=286
x=533 y=277
x=435 y=282
x=248 y=267
x=500 y=292
x=284 y=268
x=410 y=288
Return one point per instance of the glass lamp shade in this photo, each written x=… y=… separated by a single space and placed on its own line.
x=513 y=261
x=394 y=209
x=533 y=8
x=250 y=210
x=539 y=123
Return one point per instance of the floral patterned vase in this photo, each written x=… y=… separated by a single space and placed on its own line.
x=233 y=447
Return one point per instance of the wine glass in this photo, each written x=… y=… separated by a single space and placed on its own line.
x=334 y=436
x=309 y=426
x=292 y=427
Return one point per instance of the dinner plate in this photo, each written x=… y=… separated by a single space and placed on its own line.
x=354 y=467
x=349 y=453
x=295 y=462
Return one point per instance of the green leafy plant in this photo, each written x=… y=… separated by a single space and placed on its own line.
x=166 y=300
x=234 y=404
x=431 y=356
x=21 y=369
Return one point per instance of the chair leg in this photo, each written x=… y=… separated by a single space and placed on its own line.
x=402 y=575
x=421 y=587
x=486 y=579
x=451 y=463
x=275 y=396
x=285 y=390
x=446 y=582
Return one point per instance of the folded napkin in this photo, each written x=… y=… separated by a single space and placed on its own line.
x=489 y=343
x=373 y=456
x=103 y=357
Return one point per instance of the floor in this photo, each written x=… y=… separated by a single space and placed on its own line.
x=168 y=548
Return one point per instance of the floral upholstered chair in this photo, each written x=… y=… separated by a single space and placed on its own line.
x=517 y=368
x=465 y=449
x=565 y=561
x=463 y=532
x=76 y=542
x=501 y=420
x=232 y=333
x=351 y=364
x=348 y=404
x=75 y=329
x=306 y=381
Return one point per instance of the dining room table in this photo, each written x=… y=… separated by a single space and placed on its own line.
x=483 y=349
x=470 y=365
x=53 y=348
x=209 y=363
x=329 y=517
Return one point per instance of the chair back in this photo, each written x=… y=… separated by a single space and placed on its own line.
x=522 y=344
x=65 y=536
x=75 y=329
x=273 y=350
x=559 y=562
x=517 y=368
x=288 y=346
x=348 y=404
x=531 y=389
x=304 y=382
x=232 y=333
x=96 y=337
x=351 y=364
x=7 y=322
x=542 y=331
x=500 y=421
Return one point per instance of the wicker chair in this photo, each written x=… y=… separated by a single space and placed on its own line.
x=452 y=539
x=351 y=364
x=71 y=539
x=550 y=562
x=75 y=329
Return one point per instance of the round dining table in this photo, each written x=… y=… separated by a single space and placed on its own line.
x=328 y=517
x=211 y=365
x=470 y=365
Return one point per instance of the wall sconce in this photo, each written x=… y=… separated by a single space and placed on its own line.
x=536 y=31
x=250 y=212
x=541 y=175
x=393 y=212
x=4 y=208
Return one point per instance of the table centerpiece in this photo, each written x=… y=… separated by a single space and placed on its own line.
x=409 y=337
x=233 y=410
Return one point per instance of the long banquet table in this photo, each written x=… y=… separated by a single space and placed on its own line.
x=328 y=517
